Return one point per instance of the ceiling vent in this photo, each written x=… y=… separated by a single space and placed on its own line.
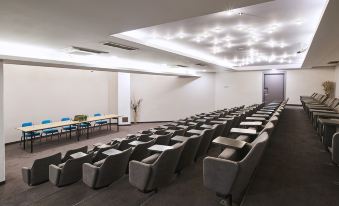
x=180 y=65
x=82 y=50
x=301 y=51
x=200 y=64
x=120 y=46
x=333 y=62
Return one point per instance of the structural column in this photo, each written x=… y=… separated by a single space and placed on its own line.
x=124 y=97
x=2 y=138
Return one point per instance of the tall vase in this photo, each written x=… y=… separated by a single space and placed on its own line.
x=135 y=120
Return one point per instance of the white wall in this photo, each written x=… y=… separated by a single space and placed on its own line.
x=2 y=138
x=305 y=82
x=237 y=88
x=124 y=96
x=37 y=93
x=336 y=80
x=234 y=88
x=169 y=98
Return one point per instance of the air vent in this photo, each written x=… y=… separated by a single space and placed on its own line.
x=180 y=65
x=333 y=62
x=200 y=64
x=120 y=46
x=301 y=51
x=86 y=50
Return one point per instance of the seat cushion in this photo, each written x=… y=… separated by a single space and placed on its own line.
x=101 y=122
x=244 y=138
x=48 y=131
x=228 y=154
x=69 y=127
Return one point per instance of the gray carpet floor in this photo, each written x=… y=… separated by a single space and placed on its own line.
x=295 y=170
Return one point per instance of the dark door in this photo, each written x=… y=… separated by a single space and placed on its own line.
x=274 y=87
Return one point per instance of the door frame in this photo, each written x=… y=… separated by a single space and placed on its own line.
x=272 y=73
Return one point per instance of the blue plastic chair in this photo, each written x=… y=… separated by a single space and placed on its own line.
x=68 y=128
x=100 y=122
x=48 y=132
x=28 y=135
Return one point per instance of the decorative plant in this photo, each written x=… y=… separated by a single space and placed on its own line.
x=328 y=87
x=135 y=106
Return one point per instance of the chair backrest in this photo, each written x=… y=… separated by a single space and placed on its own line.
x=27 y=124
x=69 y=152
x=189 y=152
x=65 y=119
x=124 y=143
x=246 y=168
x=140 y=151
x=113 y=168
x=268 y=128
x=179 y=132
x=40 y=168
x=207 y=136
x=46 y=121
x=164 y=167
x=227 y=128
x=99 y=156
x=97 y=114
x=72 y=170
x=219 y=128
x=163 y=139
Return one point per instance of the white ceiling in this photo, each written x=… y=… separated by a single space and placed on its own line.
x=42 y=31
x=253 y=37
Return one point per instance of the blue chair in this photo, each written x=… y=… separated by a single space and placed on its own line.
x=100 y=122
x=28 y=135
x=49 y=132
x=85 y=125
x=68 y=128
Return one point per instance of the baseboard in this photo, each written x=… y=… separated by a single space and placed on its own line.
x=9 y=143
x=2 y=182
x=298 y=105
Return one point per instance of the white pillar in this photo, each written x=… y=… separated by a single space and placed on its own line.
x=2 y=138
x=124 y=97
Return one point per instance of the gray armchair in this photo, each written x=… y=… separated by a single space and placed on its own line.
x=38 y=173
x=163 y=139
x=68 y=172
x=205 y=142
x=140 y=151
x=123 y=145
x=335 y=148
x=189 y=152
x=151 y=174
x=228 y=178
x=68 y=154
x=104 y=172
x=97 y=155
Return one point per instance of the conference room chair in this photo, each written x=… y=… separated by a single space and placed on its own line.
x=205 y=142
x=50 y=131
x=189 y=152
x=28 y=135
x=229 y=179
x=68 y=128
x=68 y=172
x=124 y=143
x=163 y=139
x=151 y=173
x=219 y=128
x=38 y=173
x=98 y=154
x=100 y=123
x=105 y=172
x=140 y=151
x=334 y=149
x=68 y=154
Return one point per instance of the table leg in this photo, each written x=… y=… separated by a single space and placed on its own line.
x=110 y=124
x=24 y=140
x=118 y=124
x=78 y=133
x=87 y=131
x=32 y=141
x=70 y=132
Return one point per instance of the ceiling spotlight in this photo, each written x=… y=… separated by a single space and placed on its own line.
x=197 y=39
x=282 y=45
x=240 y=27
x=227 y=38
x=216 y=50
x=217 y=29
x=289 y=61
x=249 y=43
x=298 y=21
x=271 y=43
x=181 y=35
x=229 y=12
x=205 y=35
x=168 y=37
x=229 y=45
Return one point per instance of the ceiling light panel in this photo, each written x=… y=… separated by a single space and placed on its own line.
x=274 y=30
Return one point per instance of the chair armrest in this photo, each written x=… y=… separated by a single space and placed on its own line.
x=90 y=174
x=219 y=174
x=26 y=175
x=139 y=174
x=335 y=148
x=54 y=174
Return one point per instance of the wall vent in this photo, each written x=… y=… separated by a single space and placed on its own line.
x=200 y=64
x=333 y=62
x=180 y=65
x=120 y=46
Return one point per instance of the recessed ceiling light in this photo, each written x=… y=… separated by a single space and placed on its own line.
x=182 y=35
x=215 y=41
x=282 y=45
x=197 y=39
x=240 y=27
x=216 y=50
x=299 y=21
x=229 y=12
x=249 y=43
x=229 y=45
x=217 y=29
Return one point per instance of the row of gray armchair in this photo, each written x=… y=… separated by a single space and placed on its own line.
x=147 y=171
x=319 y=107
x=229 y=174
